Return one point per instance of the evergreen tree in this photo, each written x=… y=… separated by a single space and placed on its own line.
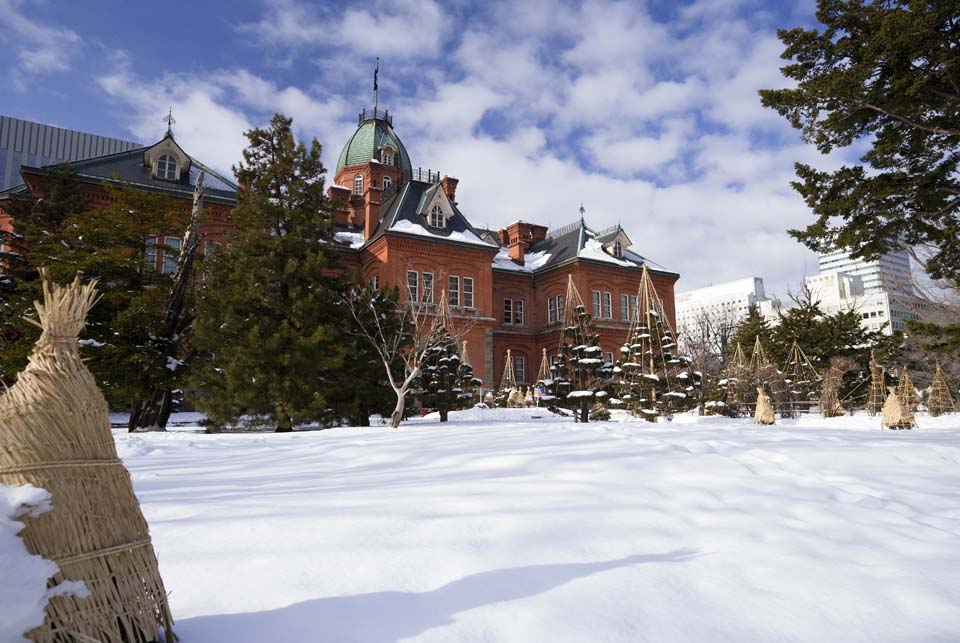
x=750 y=327
x=884 y=74
x=446 y=382
x=111 y=245
x=267 y=321
x=34 y=221
x=575 y=371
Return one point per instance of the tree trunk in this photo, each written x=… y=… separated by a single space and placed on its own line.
x=584 y=411
x=397 y=414
x=155 y=411
x=284 y=421
x=152 y=414
x=136 y=410
x=444 y=413
x=363 y=416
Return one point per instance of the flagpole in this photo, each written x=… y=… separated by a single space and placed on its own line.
x=376 y=71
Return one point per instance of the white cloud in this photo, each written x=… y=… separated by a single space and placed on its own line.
x=413 y=28
x=537 y=107
x=40 y=48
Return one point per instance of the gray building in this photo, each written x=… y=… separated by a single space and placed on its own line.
x=27 y=143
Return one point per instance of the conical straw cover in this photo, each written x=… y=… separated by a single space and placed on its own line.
x=55 y=434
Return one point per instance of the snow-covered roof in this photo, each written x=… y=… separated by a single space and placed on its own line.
x=406 y=213
x=575 y=241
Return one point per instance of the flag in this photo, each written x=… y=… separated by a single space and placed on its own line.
x=376 y=71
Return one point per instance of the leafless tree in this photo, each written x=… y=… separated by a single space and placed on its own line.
x=707 y=342
x=403 y=335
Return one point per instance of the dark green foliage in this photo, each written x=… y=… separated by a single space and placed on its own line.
x=110 y=245
x=267 y=325
x=446 y=383
x=886 y=74
x=575 y=371
x=752 y=326
x=656 y=380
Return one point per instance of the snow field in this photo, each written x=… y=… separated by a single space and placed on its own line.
x=502 y=527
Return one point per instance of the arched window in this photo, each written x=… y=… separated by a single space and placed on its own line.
x=386 y=157
x=437 y=218
x=358 y=184
x=167 y=168
x=387 y=184
x=617 y=248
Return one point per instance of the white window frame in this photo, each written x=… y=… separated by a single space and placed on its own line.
x=518 y=312
x=387 y=183
x=386 y=157
x=437 y=217
x=551 y=310
x=617 y=249
x=596 y=304
x=508 y=311
x=453 y=290
x=375 y=282
x=428 y=287
x=520 y=368
x=560 y=310
x=358 y=184
x=413 y=285
x=624 y=307
x=634 y=306
x=608 y=358
x=167 y=167
x=607 y=305
x=170 y=259
x=468 y=292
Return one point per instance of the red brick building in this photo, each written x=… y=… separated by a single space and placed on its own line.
x=400 y=225
x=163 y=168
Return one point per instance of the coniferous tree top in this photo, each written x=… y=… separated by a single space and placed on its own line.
x=887 y=73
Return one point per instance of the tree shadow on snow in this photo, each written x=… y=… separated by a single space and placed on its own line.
x=390 y=616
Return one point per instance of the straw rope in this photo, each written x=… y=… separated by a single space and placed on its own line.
x=55 y=434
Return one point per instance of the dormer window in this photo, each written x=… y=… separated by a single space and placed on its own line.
x=437 y=218
x=167 y=168
x=386 y=157
x=358 y=185
x=618 y=249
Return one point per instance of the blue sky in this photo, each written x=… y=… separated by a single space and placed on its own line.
x=646 y=112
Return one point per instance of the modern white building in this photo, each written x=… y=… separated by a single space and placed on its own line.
x=881 y=291
x=723 y=304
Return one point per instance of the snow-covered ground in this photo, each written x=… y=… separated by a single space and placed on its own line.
x=503 y=527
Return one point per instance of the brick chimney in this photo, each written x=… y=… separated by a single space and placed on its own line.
x=449 y=185
x=518 y=236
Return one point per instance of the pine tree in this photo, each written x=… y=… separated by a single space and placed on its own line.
x=268 y=322
x=447 y=382
x=575 y=372
x=750 y=327
x=655 y=380
x=109 y=244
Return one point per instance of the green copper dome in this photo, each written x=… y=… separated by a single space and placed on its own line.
x=365 y=144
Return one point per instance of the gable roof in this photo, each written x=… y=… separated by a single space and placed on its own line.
x=128 y=168
x=572 y=242
x=403 y=212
